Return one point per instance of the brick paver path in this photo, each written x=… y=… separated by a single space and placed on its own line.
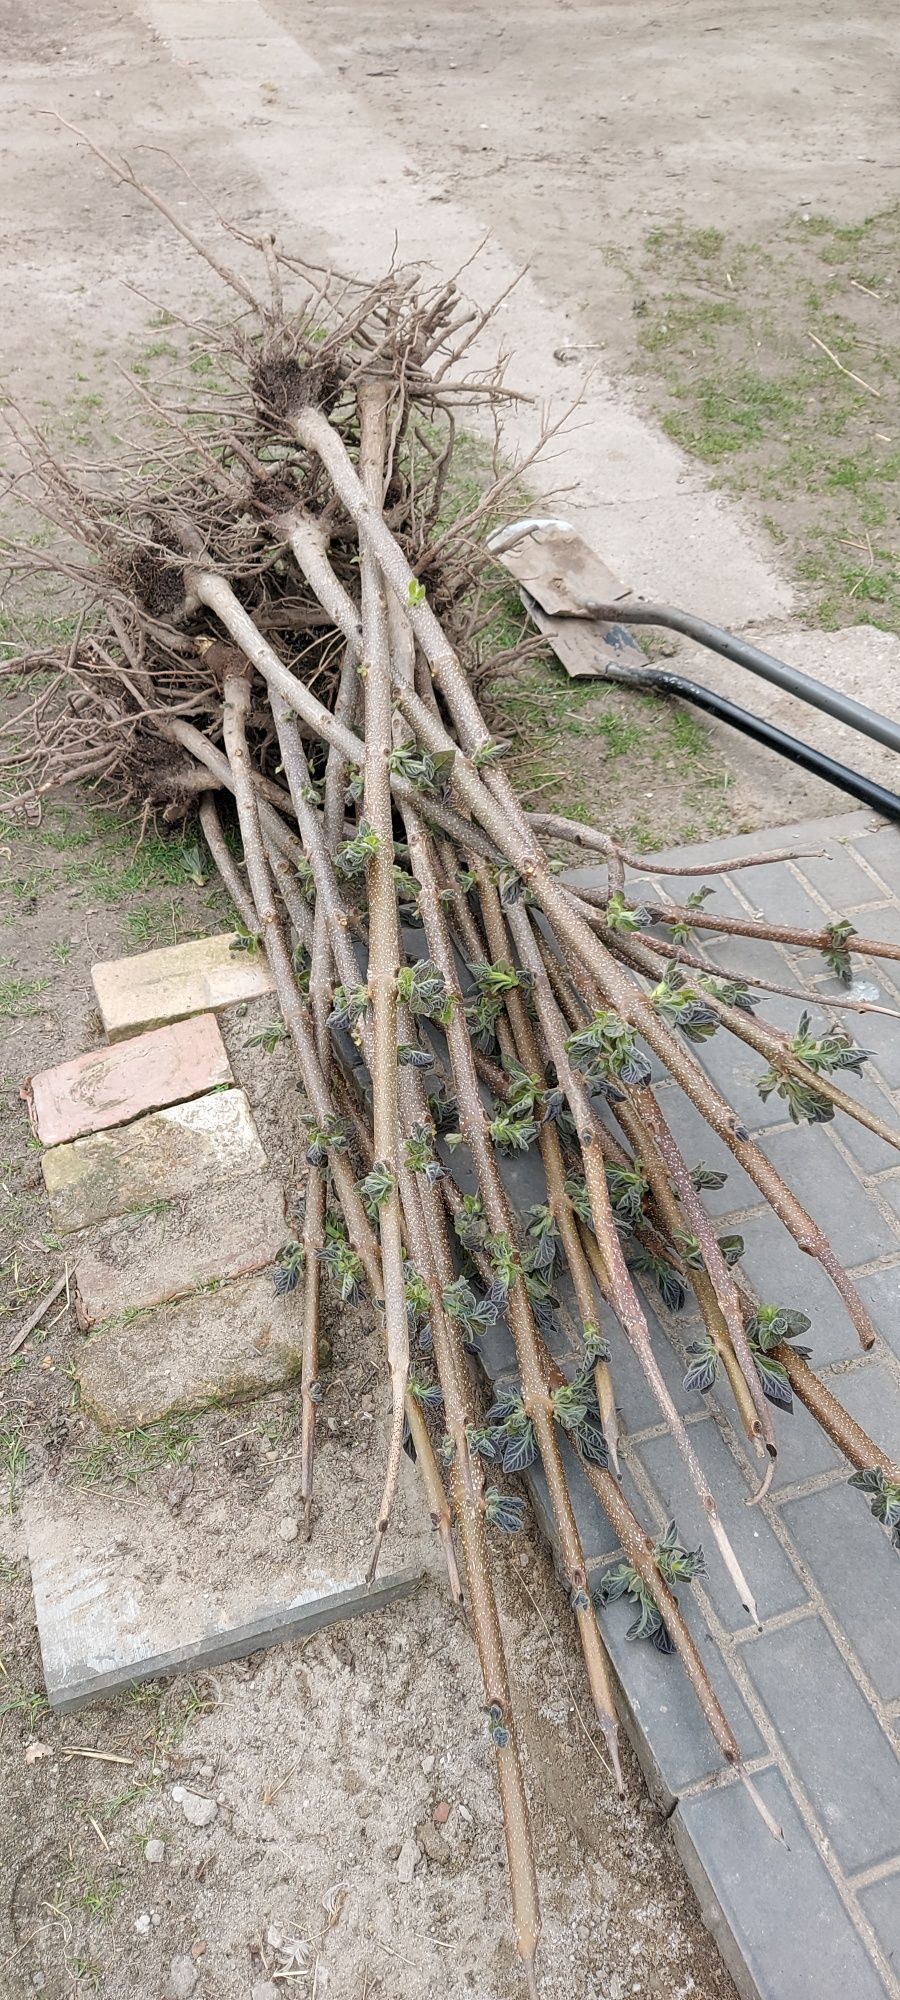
x=814 y=1695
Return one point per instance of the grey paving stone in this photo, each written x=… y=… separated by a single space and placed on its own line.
x=844 y=1760
x=497 y=1351
x=878 y=980
x=144 y=1259
x=597 y=1537
x=858 y=1573
x=872 y=1155
x=870 y=1394
x=735 y=1070
x=889 y=1191
x=840 y=880
x=824 y=1183
x=881 y=1291
x=774 y=892
x=783 y=1275
x=774 y=1912
x=125 y=1589
x=746 y=956
x=803 y=1449
x=765 y=1565
x=678 y=888
x=881 y=1904
x=673 y=1742
x=214 y=1347
x=883 y=922
x=882 y=1036
x=804 y=833
x=637 y=1406
x=882 y=852
x=697 y=1143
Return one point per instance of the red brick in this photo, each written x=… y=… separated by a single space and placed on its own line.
x=110 y=1086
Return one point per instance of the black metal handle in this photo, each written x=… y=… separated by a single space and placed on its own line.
x=854 y=713
x=866 y=790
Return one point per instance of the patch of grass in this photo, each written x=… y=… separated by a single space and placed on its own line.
x=151 y=927
x=697 y=321
x=88 y=1972
x=15 y=994
x=724 y=413
x=12 y=1459
x=109 y=1808
x=620 y=737
x=678 y=241
x=725 y=325
x=155 y=864
x=28 y=1702
x=100 y=1898
x=133 y=1454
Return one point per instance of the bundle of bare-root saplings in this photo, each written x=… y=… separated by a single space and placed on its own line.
x=281 y=631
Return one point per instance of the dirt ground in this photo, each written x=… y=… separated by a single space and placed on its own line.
x=324 y=1757
x=694 y=191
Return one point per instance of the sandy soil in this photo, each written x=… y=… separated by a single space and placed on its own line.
x=320 y=1755
x=325 y=1757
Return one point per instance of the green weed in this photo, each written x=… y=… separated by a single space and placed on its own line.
x=131 y=1455
x=15 y=994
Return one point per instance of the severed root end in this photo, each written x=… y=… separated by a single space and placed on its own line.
x=375 y=1558
x=531 y=1985
x=765 y=1483
x=733 y=1566
x=767 y=1818
x=610 y=1730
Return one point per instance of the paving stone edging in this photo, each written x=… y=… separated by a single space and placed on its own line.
x=814 y=1694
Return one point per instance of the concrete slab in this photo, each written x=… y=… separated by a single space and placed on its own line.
x=108 y=1087
x=203 y=974
x=170 y=1153
x=167 y=1251
x=125 y=1590
x=212 y=1348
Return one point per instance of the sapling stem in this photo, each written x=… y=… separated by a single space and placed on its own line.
x=622 y=1294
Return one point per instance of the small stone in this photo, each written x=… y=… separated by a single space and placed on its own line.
x=274 y=1937
x=142 y=1924
x=288 y=1528
x=604 y=1885
x=433 y=1843
x=265 y=1989
x=406 y=1860
x=428 y=1765
x=441 y=1813
x=38 y=1981
x=155 y=1851
x=197 y=1810
x=183 y=1977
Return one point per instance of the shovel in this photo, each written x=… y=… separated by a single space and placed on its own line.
x=586 y=613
